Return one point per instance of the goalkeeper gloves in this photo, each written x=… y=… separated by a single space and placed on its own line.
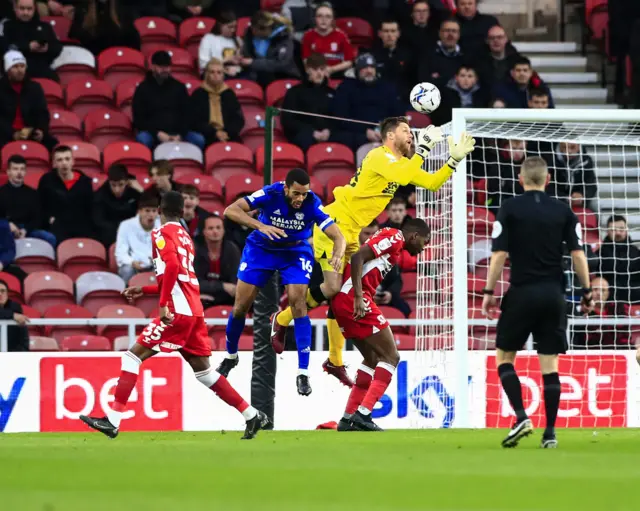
x=458 y=151
x=426 y=139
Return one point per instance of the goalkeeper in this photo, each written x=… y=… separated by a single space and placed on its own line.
x=383 y=170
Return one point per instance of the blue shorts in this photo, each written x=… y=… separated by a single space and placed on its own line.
x=259 y=261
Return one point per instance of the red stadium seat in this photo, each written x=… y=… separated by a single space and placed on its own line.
x=80 y=255
x=146 y=303
x=86 y=157
x=336 y=178
x=405 y=341
x=33 y=254
x=479 y=220
x=66 y=126
x=67 y=311
x=225 y=159
x=192 y=30
x=253 y=131
x=284 y=155
x=418 y=120
x=587 y=218
x=319 y=312
x=118 y=312
x=218 y=312
x=43 y=289
x=237 y=185
x=85 y=95
x=14 y=286
x=156 y=30
x=409 y=284
x=276 y=91
x=330 y=155
x=39 y=343
x=75 y=63
x=97 y=181
x=189 y=82
x=214 y=206
x=248 y=92
x=105 y=126
x=52 y=91
x=119 y=63
x=243 y=25
x=111 y=254
x=318 y=188
x=32 y=313
x=245 y=343
x=32 y=179
x=36 y=154
x=182 y=62
x=359 y=31
x=60 y=25
x=271 y=5
x=393 y=313
x=210 y=188
x=477 y=280
x=95 y=289
x=85 y=343
x=124 y=95
x=134 y=155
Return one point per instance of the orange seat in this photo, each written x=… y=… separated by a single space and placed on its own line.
x=247 y=91
x=243 y=24
x=335 y=178
x=418 y=120
x=146 y=303
x=95 y=289
x=86 y=157
x=13 y=285
x=134 y=155
x=33 y=254
x=120 y=63
x=237 y=185
x=218 y=312
x=124 y=95
x=85 y=343
x=405 y=341
x=209 y=186
x=284 y=156
x=39 y=343
x=60 y=25
x=225 y=159
x=67 y=311
x=52 y=91
x=277 y=89
x=192 y=30
x=359 y=31
x=118 y=312
x=330 y=155
x=42 y=289
x=65 y=125
x=105 y=126
x=36 y=154
x=156 y=30
x=79 y=255
x=84 y=95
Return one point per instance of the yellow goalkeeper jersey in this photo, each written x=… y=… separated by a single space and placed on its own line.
x=377 y=180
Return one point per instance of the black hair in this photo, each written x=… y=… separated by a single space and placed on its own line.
x=520 y=60
x=374 y=223
x=538 y=92
x=18 y=159
x=223 y=18
x=418 y=226
x=451 y=19
x=62 y=149
x=297 y=175
x=172 y=204
x=616 y=218
x=148 y=199
x=388 y=20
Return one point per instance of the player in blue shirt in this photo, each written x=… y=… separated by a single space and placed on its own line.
x=288 y=213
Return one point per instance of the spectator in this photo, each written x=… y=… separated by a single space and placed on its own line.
x=463 y=91
x=235 y=232
x=267 y=50
x=393 y=60
x=20 y=205
x=515 y=89
x=538 y=98
x=422 y=32
x=141 y=8
x=35 y=39
x=498 y=103
x=474 y=26
x=8 y=251
x=161 y=176
x=397 y=211
x=222 y=44
x=23 y=105
x=366 y=98
x=193 y=216
x=101 y=24
x=216 y=263
x=619 y=261
x=441 y=63
x=64 y=8
x=183 y=9
x=66 y=198
x=494 y=64
x=214 y=108
x=133 y=241
x=159 y=106
x=329 y=41
x=313 y=95
x=115 y=202
x=17 y=336
x=502 y=174
x=573 y=172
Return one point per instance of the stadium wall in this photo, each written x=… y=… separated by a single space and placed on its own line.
x=46 y=392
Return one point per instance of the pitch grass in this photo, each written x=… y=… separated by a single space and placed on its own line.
x=325 y=470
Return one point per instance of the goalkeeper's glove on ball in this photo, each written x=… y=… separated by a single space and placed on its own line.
x=457 y=152
x=426 y=139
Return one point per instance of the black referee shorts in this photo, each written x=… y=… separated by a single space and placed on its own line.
x=537 y=309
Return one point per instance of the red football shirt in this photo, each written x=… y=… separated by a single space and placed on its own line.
x=335 y=46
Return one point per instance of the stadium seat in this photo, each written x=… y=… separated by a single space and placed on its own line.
x=247 y=91
x=253 y=131
x=97 y=181
x=134 y=155
x=318 y=188
x=36 y=154
x=330 y=155
x=184 y=156
x=60 y=25
x=105 y=126
x=245 y=343
x=225 y=159
x=86 y=157
x=124 y=95
x=393 y=313
x=146 y=303
x=42 y=289
x=319 y=312
x=334 y=84
x=587 y=218
x=119 y=63
x=482 y=342
x=96 y=289
x=32 y=313
x=217 y=312
x=66 y=126
x=190 y=83
x=111 y=256
x=277 y=89
x=15 y=288
x=418 y=120
x=192 y=30
x=182 y=62
x=479 y=252
x=274 y=6
x=243 y=24
x=359 y=31
x=33 y=254
x=213 y=206
x=237 y=185
x=334 y=178
x=67 y=311
x=477 y=280
x=118 y=312
x=409 y=284
x=84 y=95
x=40 y=343
x=479 y=220
x=363 y=150
x=80 y=255
x=156 y=30
x=74 y=63
x=284 y=156
x=52 y=91
x=121 y=343
x=405 y=341
x=85 y=343
x=210 y=188
x=32 y=179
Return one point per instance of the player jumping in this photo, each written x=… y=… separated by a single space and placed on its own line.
x=288 y=212
x=180 y=326
x=360 y=319
x=356 y=205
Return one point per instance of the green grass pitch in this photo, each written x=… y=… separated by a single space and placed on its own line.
x=324 y=470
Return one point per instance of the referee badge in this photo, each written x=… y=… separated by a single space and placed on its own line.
x=497 y=230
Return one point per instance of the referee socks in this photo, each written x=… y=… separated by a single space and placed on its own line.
x=552 y=391
x=512 y=388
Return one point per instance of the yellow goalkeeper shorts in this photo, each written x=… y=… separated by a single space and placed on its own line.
x=323 y=246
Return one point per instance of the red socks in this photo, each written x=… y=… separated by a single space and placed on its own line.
x=223 y=389
x=381 y=379
x=364 y=376
x=126 y=384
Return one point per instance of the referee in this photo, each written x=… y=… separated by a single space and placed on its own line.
x=531 y=229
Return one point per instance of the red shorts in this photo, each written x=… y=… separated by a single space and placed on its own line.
x=372 y=323
x=187 y=333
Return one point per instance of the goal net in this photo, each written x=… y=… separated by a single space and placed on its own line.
x=594 y=164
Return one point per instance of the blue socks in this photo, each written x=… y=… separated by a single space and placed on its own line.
x=302 y=330
x=235 y=326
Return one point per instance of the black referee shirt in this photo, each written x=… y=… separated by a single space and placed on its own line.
x=532 y=228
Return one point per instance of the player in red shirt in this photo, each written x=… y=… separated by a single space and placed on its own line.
x=180 y=326
x=360 y=319
x=329 y=41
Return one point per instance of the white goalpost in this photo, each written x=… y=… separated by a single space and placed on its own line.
x=594 y=164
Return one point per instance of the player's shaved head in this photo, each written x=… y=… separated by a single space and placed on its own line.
x=172 y=205
x=297 y=175
x=416 y=235
x=534 y=172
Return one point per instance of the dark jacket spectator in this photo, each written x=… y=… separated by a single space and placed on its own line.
x=493 y=60
x=463 y=91
x=515 y=89
x=100 y=25
x=184 y=9
x=421 y=32
x=214 y=108
x=140 y=8
x=393 y=60
x=18 y=336
x=441 y=64
x=161 y=177
x=23 y=106
x=574 y=172
x=313 y=95
x=114 y=202
x=473 y=25
x=397 y=211
x=236 y=233
x=66 y=197
x=502 y=170
x=34 y=38
x=193 y=216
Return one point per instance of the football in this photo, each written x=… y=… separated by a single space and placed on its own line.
x=425 y=97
